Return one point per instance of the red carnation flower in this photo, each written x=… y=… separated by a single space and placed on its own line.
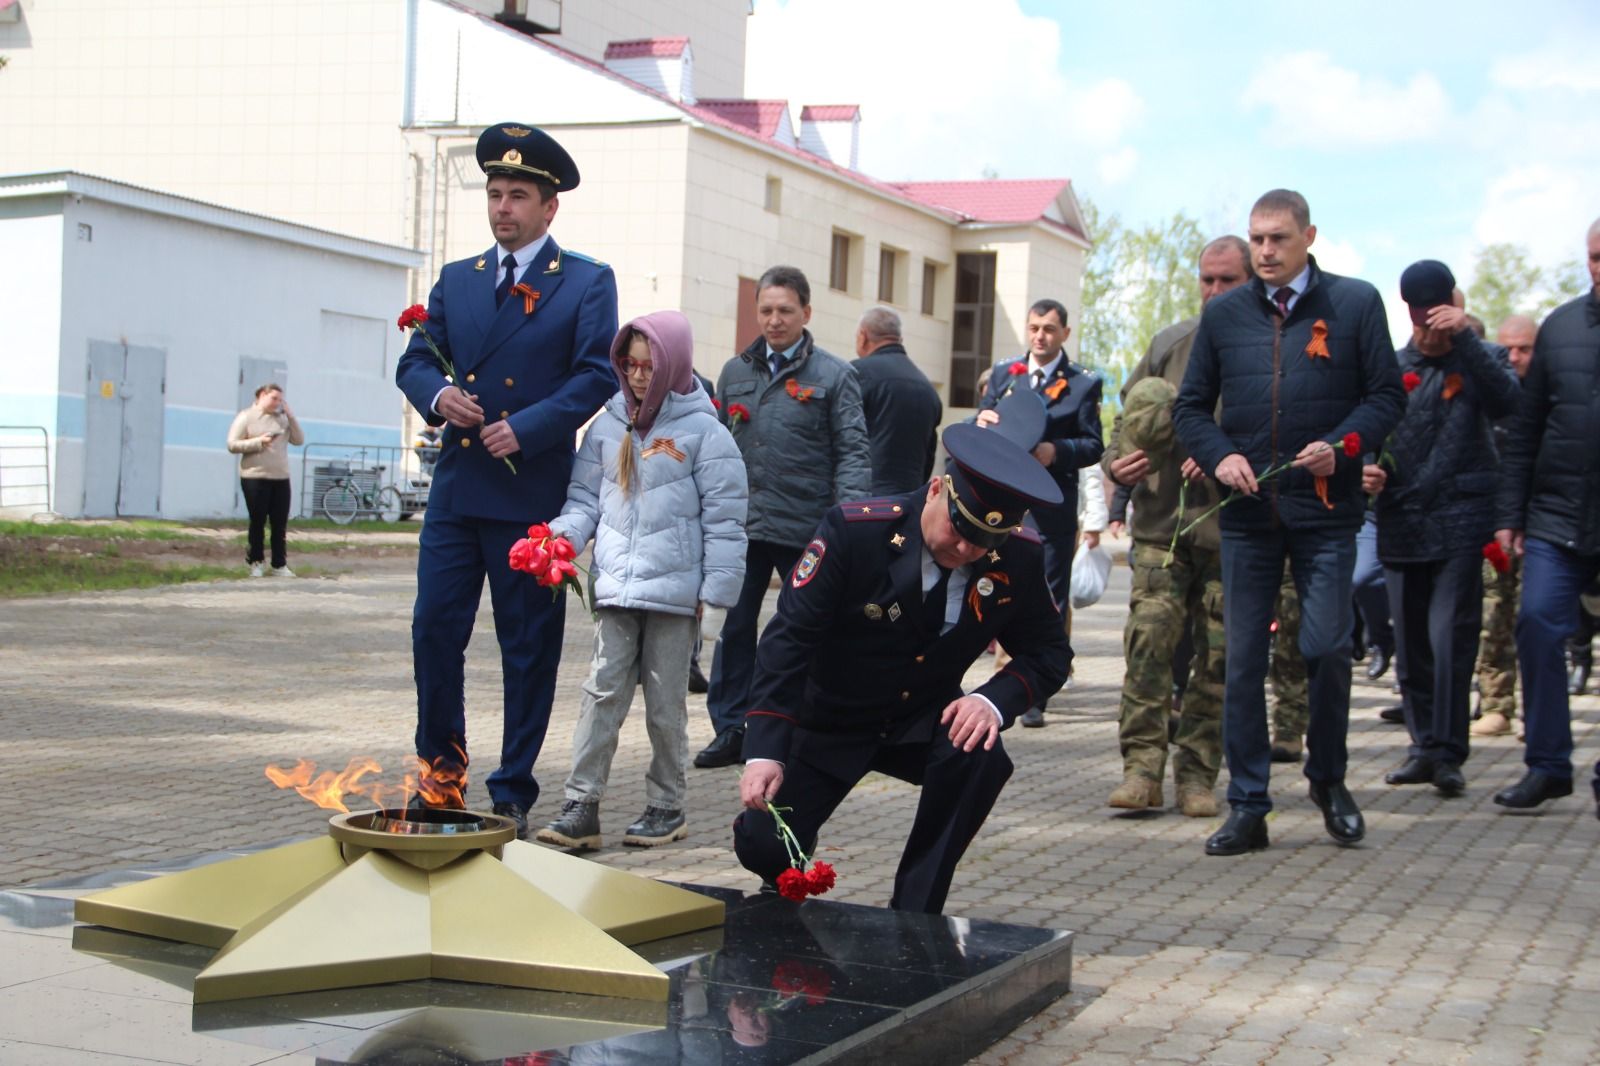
x=1352 y=444
x=738 y=412
x=792 y=885
x=1018 y=369
x=1410 y=379
x=716 y=404
x=1497 y=557
x=819 y=878
x=414 y=315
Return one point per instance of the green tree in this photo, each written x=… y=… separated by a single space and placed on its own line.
x=1505 y=282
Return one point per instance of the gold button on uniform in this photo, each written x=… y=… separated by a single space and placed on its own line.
x=471 y=378
x=509 y=383
x=905 y=696
x=466 y=442
x=921 y=657
x=505 y=414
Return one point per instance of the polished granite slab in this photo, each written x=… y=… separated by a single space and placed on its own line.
x=778 y=984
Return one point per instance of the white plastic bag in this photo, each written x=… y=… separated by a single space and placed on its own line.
x=1091 y=568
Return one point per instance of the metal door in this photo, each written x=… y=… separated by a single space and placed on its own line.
x=124 y=430
x=255 y=372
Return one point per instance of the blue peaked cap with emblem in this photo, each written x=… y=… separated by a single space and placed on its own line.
x=990 y=483
x=523 y=151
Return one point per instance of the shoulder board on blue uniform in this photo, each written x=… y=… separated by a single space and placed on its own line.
x=580 y=256
x=1027 y=534
x=879 y=510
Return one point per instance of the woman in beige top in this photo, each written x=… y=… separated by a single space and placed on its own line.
x=260 y=436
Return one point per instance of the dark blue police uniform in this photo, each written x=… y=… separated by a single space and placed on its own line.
x=545 y=371
x=854 y=672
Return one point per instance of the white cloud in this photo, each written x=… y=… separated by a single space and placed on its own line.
x=1543 y=207
x=939 y=104
x=1117 y=167
x=1314 y=103
x=1340 y=257
x=1555 y=66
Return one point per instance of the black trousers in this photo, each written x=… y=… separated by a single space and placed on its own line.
x=958 y=791
x=1437 y=608
x=733 y=661
x=267 y=498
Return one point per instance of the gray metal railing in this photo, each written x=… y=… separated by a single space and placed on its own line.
x=366 y=469
x=24 y=468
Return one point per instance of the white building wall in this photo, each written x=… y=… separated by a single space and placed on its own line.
x=30 y=279
x=206 y=296
x=716 y=29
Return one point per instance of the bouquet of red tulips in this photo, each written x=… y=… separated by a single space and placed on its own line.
x=550 y=559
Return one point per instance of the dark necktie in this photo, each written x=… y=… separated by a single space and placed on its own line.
x=504 y=288
x=1282 y=297
x=775 y=360
x=933 y=604
x=1038 y=379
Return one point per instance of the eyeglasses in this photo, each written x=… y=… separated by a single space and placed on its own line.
x=630 y=367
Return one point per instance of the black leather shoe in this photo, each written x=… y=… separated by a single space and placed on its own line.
x=1340 y=815
x=1242 y=832
x=1532 y=790
x=698 y=685
x=1033 y=718
x=723 y=751
x=1414 y=771
x=1377 y=662
x=1396 y=714
x=517 y=813
x=1578 y=679
x=1448 y=779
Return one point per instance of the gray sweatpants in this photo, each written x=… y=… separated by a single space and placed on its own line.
x=630 y=646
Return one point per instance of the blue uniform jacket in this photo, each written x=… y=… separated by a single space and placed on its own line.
x=545 y=372
x=849 y=663
x=1072 y=411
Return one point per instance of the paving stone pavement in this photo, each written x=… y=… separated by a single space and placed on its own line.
x=141 y=722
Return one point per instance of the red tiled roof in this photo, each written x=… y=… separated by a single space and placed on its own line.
x=988 y=201
x=647 y=46
x=760 y=117
x=830 y=112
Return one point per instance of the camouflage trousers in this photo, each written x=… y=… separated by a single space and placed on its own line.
x=1497 y=645
x=1166 y=599
x=1291 y=704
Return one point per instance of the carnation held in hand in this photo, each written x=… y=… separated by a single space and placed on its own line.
x=797 y=882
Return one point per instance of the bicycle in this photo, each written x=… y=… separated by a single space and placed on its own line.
x=345 y=498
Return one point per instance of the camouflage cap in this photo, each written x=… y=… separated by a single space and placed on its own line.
x=1147 y=419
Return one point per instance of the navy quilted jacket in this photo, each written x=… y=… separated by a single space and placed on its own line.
x=1438 y=501
x=1277 y=398
x=1550 y=472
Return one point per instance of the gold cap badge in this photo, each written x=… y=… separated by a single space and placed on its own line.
x=994 y=518
x=512 y=156
x=514 y=131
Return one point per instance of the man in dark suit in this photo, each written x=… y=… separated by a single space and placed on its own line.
x=528 y=327
x=861 y=669
x=1072 y=439
x=901 y=406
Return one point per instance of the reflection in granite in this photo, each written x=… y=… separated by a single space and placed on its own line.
x=780 y=983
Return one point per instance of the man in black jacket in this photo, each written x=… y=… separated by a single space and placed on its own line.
x=1305 y=370
x=1434 y=519
x=1549 y=512
x=901 y=406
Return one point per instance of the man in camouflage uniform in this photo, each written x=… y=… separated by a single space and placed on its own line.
x=1497 y=645
x=1176 y=579
x=1291 y=708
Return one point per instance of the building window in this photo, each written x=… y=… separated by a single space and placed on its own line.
x=839 y=263
x=930 y=286
x=971 y=326
x=890 y=264
x=774 y=201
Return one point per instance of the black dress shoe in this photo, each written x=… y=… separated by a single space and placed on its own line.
x=698 y=685
x=1377 y=662
x=1033 y=718
x=1396 y=714
x=1414 y=771
x=1340 y=815
x=1578 y=679
x=723 y=751
x=1448 y=779
x=1532 y=790
x=517 y=813
x=1242 y=832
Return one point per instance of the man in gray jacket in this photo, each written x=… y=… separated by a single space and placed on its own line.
x=795 y=412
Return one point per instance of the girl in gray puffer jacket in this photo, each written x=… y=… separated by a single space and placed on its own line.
x=660 y=486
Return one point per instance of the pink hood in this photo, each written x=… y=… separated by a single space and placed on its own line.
x=672 y=351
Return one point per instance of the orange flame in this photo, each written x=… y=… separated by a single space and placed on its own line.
x=440 y=784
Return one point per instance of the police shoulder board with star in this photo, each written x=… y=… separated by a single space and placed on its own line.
x=881 y=510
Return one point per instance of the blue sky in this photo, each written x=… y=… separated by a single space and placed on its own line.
x=1416 y=130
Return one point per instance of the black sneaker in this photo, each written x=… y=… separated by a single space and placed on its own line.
x=577 y=827
x=656 y=826
x=517 y=813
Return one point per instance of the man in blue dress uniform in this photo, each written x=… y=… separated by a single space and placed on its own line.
x=1071 y=439
x=861 y=669
x=528 y=326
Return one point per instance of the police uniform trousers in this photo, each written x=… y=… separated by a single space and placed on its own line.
x=958 y=791
x=456 y=554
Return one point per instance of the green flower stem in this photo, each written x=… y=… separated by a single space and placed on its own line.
x=450 y=372
x=791 y=843
x=1183 y=501
x=1214 y=508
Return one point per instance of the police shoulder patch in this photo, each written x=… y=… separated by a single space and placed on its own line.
x=880 y=510
x=810 y=562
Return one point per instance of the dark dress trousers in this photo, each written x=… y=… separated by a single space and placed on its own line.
x=544 y=372
x=853 y=674
x=903 y=412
